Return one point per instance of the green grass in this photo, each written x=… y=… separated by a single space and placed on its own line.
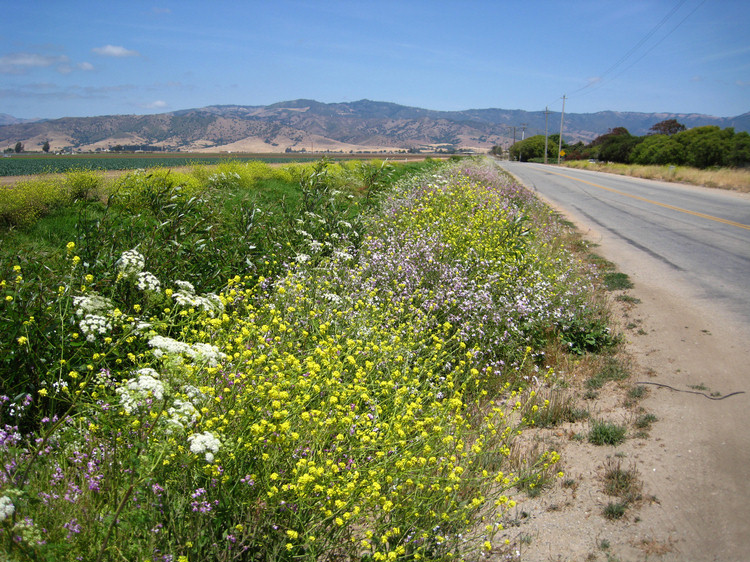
x=606 y=433
x=615 y=510
x=612 y=370
x=616 y=281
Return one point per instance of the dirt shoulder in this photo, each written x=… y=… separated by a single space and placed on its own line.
x=694 y=462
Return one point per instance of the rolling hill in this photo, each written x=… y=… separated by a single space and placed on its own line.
x=313 y=126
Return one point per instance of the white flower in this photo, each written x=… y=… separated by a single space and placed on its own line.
x=208 y=353
x=92 y=304
x=342 y=255
x=6 y=508
x=130 y=263
x=198 y=351
x=182 y=412
x=135 y=391
x=210 y=302
x=204 y=443
x=93 y=324
x=147 y=281
x=170 y=346
x=140 y=327
x=302 y=258
x=186 y=286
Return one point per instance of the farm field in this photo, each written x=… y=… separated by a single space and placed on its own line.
x=30 y=164
x=297 y=362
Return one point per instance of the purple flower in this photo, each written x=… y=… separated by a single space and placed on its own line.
x=73 y=527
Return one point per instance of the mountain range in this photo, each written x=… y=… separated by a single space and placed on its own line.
x=309 y=125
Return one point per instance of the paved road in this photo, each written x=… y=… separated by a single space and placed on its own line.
x=702 y=235
x=687 y=250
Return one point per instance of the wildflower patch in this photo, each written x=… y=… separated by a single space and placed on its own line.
x=362 y=404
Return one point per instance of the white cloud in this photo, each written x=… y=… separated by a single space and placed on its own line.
x=158 y=104
x=114 y=51
x=19 y=63
x=85 y=66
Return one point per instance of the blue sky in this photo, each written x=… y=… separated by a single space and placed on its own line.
x=85 y=58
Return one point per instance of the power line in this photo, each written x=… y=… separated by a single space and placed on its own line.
x=633 y=49
x=653 y=46
x=593 y=86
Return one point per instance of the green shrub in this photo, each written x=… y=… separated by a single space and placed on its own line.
x=25 y=202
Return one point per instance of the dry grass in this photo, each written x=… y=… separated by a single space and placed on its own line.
x=722 y=178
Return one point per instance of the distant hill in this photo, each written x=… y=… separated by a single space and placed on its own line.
x=313 y=126
x=6 y=119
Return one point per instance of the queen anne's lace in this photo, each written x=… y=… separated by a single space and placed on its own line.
x=93 y=324
x=130 y=263
x=137 y=391
x=204 y=443
x=199 y=352
x=147 y=281
x=6 y=508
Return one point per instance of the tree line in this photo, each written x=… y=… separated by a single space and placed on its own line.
x=668 y=142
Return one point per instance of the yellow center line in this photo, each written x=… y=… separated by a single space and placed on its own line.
x=687 y=211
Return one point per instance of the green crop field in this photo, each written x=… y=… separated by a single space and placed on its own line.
x=52 y=164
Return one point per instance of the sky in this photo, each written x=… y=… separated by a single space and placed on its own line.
x=83 y=58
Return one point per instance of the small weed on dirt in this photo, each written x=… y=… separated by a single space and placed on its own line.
x=606 y=433
x=613 y=370
x=616 y=281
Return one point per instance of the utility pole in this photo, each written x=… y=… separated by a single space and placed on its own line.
x=559 y=144
x=546 y=115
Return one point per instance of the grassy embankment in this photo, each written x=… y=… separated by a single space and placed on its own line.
x=724 y=178
x=308 y=362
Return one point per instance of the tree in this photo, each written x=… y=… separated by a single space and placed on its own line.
x=45 y=146
x=668 y=127
x=658 y=150
x=739 y=154
x=19 y=148
x=614 y=146
x=533 y=147
x=706 y=146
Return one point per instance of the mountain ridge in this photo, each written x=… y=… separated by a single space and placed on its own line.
x=305 y=124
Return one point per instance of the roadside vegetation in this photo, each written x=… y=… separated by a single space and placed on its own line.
x=737 y=179
x=313 y=362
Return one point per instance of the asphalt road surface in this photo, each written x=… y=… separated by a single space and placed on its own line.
x=702 y=235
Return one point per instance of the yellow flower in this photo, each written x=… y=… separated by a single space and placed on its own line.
x=22 y=340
